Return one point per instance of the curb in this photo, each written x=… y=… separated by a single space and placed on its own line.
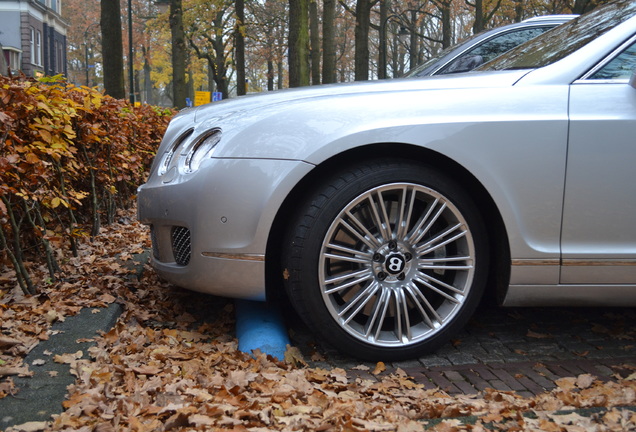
x=259 y=326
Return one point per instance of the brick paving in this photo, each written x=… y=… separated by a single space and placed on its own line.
x=524 y=350
x=525 y=378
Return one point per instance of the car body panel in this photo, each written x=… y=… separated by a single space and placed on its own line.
x=228 y=241
x=586 y=295
x=600 y=185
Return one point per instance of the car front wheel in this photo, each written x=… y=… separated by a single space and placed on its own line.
x=386 y=260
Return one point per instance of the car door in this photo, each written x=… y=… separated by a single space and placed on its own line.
x=599 y=214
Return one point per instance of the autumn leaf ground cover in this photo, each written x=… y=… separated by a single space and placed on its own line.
x=171 y=363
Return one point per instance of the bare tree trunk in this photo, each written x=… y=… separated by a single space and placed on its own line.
x=219 y=63
x=518 y=10
x=483 y=17
x=478 y=25
x=190 y=85
x=149 y=99
x=211 y=82
x=270 y=75
x=315 y=42
x=363 y=21
x=413 y=41
x=298 y=43
x=328 y=42
x=281 y=74
x=382 y=48
x=444 y=7
x=239 y=46
x=179 y=59
x=112 y=48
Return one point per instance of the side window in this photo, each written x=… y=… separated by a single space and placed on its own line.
x=620 y=67
x=493 y=48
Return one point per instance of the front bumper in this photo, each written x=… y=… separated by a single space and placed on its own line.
x=210 y=228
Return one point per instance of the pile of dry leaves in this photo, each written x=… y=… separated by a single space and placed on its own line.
x=164 y=368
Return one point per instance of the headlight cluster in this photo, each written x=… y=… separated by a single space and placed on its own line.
x=189 y=152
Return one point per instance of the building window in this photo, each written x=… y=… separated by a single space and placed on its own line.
x=38 y=48
x=14 y=60
x=32 y=45
x=59 y=58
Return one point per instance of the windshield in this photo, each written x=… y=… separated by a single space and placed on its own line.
x=419 y=68
x=565 y=39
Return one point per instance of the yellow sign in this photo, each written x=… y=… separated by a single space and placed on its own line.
x=201 y=98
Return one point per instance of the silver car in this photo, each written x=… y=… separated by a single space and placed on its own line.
x=384 y=210
x=486 y=46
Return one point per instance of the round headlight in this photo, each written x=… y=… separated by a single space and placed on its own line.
x=164 y=163
x=168 y=155
x=202 y=149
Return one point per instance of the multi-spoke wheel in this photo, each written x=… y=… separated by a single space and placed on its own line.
x=387 y=260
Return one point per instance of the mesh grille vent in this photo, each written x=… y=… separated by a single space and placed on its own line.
x=181 y=245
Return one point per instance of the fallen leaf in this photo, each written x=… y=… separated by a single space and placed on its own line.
x=584 y=381
x=8 y=342
x=107 y=298
x=68 y=358
x=146 y=370
x=379 y=368
x=11 y=371
x=201 y=420
x=294 y=357
x=567 y=383
x=362 y=367
x=34 y=426
x=536 y=335
x=600 y=329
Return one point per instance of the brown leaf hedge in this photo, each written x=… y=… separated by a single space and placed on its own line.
x=69 y=158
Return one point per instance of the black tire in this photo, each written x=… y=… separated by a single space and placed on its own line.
x=391 y=278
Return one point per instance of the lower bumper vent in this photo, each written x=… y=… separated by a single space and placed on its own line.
x=181 y=247
x=155 y=245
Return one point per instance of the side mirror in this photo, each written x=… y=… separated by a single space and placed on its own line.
x=632 y=79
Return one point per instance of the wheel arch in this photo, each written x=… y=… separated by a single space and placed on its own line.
x=499 y=271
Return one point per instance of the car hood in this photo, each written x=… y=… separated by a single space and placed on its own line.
x=259 y=101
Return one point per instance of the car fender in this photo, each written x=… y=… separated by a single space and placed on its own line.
x=492 y=145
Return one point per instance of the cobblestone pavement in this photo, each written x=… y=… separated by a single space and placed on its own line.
x=512 y=349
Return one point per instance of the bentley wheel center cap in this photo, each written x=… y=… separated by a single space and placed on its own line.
x=395 y=264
